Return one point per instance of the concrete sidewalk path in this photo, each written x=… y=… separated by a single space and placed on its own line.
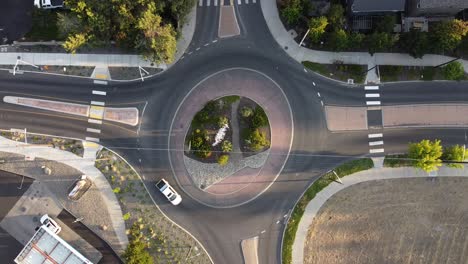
x=284 y=39
x=84 y=165
x=369 y=175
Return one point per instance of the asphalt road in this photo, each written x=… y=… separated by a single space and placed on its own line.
x=314 y=151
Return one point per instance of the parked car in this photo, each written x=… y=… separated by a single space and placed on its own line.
x=166 y=189
x=50 y=224
x=48 y=4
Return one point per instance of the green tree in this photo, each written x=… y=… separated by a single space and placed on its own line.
x=259 y=118
x=292 y=11
x=355 y=40
x=338 y=40
x=454 y=71
x=246 y=111
x=181 y=8
x=454 y=153
x=74 y=42
x=317 y=27
x=447 y=35
x=415 y=42
x=222 y=120
x=257 y=140
x=223 y=160
x=378 y=42
x=336 y=16
x=385 y=24
x=136 y=253
x=67 y=23
x=226 y=146
x=426 y=154
x=157 y=42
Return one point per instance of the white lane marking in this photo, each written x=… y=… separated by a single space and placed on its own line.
x=239 y=2
x=92 y=139
x=207 y=2
x=321 y=102
x=247 y=1
x=305 y=70
x=100 y=82
x=277 y=222
x=318 y=94
x=254 y=1
x=189 y=53
x=97 y=103
x=381 y=150
x=375 y=143
x=99 y=92
x=200 y=3
x=197 y=49
x=214 y=41
x=371 y=87
x=313 y=83
x=215 y=2
x=93 y=130
x=263 y=232
x=94 y=121
x=181 y=58
x=373 y=95
x=373 y=102
x=379 y=135
x=206 y=44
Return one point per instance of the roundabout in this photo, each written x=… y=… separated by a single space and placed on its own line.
x=244 y=180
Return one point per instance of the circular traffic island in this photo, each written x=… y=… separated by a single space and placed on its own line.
x=228 y=126
x=227 y=135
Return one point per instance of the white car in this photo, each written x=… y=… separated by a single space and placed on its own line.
x=47 y=4
x=166 y=189
x=50 y=224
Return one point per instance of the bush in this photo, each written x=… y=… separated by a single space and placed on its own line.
x=259 y=118
x=257 y=140
x=126 y=216
x=246 y=111
x=292 y=11
x=204 y=151
x=202 y=116
x=222 y=120
x=453 y=71
x=196 y=142
x=226 y=146
x=136 y=253
x=426 y=154
x=116 y=190
x=454 y=153
x=223 y=160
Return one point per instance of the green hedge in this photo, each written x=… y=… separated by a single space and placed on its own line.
x=347 y=168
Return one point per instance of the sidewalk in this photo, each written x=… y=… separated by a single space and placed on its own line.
x=373 y=174
x=84 y=165
x=284 y=39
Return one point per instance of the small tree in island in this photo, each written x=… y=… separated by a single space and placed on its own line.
x=426 y=154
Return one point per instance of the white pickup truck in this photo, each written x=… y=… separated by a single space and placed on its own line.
x=166 y=189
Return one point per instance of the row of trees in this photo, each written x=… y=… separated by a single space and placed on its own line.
x=145 y=25
x=444 y=36
x=429 y=155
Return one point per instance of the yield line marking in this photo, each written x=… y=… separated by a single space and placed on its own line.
x=94 y=121
x=100 y=82
x=375 y=143
x=381 y=150
x=97 y=103
x=99 y=92
x=371 y=87
x=92 y=139
x=372 y=95
x=373 y=102
x=93 y=130
x=379 y=135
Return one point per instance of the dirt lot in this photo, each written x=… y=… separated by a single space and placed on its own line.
x=393 y=221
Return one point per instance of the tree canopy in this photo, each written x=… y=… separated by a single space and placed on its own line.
x=426 y=154
x=454 y=153
x=415 y=42
x=453 y=71
x=317 y=26
x=447 y=35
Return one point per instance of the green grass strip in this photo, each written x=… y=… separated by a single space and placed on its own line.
x=347 y=168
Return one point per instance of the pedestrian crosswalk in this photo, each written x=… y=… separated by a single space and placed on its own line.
x=225 y=2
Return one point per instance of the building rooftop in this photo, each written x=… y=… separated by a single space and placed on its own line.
x=46 y=247
x=443 y=3
x=364 y=6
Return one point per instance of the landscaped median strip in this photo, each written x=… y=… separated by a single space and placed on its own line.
x=296 y=215
x=96 y=111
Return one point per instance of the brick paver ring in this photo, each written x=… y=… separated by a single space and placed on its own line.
x=267 y=94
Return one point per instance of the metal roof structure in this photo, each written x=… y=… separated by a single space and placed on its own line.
x=48 y=248
x=366 y=6
x=443 y=4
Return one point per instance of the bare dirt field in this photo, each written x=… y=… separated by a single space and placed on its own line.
x=418 y=220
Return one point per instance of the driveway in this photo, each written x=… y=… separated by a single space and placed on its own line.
x=15 y=19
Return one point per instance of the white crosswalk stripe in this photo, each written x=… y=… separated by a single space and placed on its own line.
x=215 y=3
x=200 y=2
x=207 y=3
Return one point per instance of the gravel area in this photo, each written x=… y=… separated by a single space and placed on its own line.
x=90 y=206
x=130 y=73
x=207 y=174
x=166 y=242
x=70 y=145
x=415 y=220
